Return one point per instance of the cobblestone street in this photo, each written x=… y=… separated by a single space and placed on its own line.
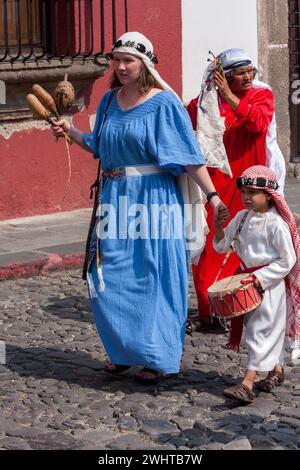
x=55 y=396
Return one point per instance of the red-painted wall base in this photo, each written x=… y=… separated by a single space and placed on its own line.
x=34 y=176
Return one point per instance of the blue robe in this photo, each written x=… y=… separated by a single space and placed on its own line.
x=141 y=314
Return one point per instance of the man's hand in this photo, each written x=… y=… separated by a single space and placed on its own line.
x=222 y=85
x=224 y=90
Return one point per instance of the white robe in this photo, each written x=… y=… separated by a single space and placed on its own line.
x=265 y=239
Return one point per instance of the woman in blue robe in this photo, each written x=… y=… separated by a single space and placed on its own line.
x=139 y=293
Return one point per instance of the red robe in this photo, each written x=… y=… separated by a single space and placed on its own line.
x=245 y=144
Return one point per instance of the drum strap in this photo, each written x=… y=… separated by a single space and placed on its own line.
x=232 y=248
x=236 y=331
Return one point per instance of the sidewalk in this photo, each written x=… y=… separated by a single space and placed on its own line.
x=34 y=245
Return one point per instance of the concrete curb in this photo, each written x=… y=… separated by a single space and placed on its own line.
x=53 y=262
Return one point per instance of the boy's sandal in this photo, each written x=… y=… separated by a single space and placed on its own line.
x=203 y=324
x=188 y=327
x=239 y=392
x=115 y=368
x=272 y=380
x=148 y=376
x=208 y=323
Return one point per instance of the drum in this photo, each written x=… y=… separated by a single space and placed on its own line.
x=234 y=296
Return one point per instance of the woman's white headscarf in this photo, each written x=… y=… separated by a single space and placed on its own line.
x=134 y=43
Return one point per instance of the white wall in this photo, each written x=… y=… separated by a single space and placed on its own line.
x=214 y=25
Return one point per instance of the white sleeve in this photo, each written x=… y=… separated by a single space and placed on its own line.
x=278 y=269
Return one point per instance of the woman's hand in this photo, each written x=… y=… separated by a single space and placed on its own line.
x=61 y=127
x=221 y=213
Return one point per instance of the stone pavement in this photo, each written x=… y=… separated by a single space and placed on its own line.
x=54 y=394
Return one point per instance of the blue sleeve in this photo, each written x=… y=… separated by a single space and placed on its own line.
x=92 y=139
x=176 y=144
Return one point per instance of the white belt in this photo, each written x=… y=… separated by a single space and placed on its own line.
x=142 y=170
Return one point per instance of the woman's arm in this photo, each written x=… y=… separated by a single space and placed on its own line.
x=200 y=174
x=63 y=126
x=219 y=232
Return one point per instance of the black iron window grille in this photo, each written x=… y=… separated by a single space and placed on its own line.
x=33 y=30
x=294 y=38
x=294 y=74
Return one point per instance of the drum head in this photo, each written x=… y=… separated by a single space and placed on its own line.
x=228 y=284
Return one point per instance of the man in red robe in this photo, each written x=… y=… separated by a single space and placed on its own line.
x=248 y=112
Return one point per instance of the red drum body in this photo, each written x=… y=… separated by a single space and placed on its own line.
x=230 y=298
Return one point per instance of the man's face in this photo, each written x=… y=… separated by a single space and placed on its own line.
x=242 y=79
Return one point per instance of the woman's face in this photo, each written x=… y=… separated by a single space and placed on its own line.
x=127 y=67
x=242 y=79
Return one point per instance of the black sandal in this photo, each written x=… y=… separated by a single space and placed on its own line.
x=115 y=368
x=272 y=380
x=239 y=392
x=148 y=376
x=188 y=327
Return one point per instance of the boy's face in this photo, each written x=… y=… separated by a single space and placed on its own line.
x=255 y=199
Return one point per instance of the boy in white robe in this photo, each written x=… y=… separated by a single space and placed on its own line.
x=269 y=247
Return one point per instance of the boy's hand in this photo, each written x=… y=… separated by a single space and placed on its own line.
x=256 y=282
x=221 y=214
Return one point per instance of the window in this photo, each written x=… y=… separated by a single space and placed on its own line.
x=42 y=40
x=20 y=27
x=32 y=30
x=294 y=59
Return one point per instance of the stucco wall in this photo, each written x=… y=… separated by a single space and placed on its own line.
x=274 y=62
x=34 y=168
x=215 y=25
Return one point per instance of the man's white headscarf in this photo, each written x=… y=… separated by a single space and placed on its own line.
x=234 y=59
x=210 y=125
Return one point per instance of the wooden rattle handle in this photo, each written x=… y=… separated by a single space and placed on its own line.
x=39 y=109
x=45 y=98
